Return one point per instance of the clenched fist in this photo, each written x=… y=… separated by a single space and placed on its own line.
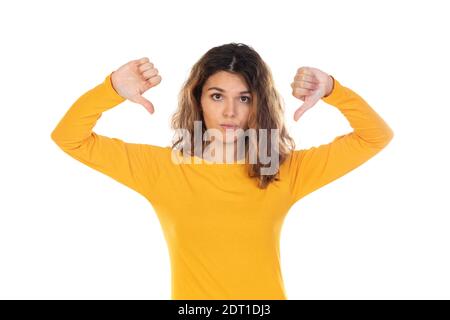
x=310 y=85
x=134 y=78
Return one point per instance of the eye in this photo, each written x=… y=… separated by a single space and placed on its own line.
x=248 y=99
x=215 y=94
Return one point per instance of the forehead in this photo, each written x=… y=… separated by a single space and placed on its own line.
x=230 y=82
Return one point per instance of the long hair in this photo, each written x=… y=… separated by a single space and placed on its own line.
x=267 y=113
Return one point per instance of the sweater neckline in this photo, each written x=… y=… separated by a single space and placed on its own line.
x=202 y=161
x=196 y=160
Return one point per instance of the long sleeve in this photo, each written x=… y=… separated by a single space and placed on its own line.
x=315 y=167
x=132 y=164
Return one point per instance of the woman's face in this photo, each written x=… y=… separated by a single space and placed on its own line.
x=226 y=100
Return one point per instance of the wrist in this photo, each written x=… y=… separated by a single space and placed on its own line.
x=330 y=86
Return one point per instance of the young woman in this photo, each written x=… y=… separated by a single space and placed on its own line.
x=222 y=219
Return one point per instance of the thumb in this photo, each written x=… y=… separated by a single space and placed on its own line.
x=307 y=105
x=145 y=103
x=310 y=101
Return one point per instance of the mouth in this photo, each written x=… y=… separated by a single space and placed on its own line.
x=229 y=126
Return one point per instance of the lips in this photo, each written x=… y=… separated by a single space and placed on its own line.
x=230 y=127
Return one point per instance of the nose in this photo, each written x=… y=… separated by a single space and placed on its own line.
x=229 y=110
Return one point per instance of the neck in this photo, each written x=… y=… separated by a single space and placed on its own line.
x=220 y=152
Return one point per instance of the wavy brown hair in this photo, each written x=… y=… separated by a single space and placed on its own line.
x=266 y=113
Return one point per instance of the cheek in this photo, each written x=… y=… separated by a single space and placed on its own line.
x=213 y=114
x=245 y=117
x=209 y=116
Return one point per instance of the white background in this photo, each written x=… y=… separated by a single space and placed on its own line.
x=379 y=232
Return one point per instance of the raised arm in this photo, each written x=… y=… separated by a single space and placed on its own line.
x=312 y=168
x=134 y=165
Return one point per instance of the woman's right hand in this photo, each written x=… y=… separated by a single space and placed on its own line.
x=134 y=78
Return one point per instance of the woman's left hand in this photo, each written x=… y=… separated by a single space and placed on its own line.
x=310 y=85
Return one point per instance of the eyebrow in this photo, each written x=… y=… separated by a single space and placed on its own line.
x=222 y=90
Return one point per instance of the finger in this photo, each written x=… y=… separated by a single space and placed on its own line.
x=299 y=92
x=150 y=73
x=305 y=70
x=306 y=77
x=145 y=103
x=145 y=66
x=153 y=81
x=305 y=84
x=143 y=60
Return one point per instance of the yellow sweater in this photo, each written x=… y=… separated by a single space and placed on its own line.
x=221 y=230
